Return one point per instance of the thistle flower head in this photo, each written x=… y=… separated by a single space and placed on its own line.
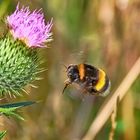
x=29 y=27
x=19 y=64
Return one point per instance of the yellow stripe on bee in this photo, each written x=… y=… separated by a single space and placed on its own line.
x=81 y=68
x=101 y=82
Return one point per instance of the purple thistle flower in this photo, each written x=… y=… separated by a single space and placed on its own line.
x=29 y=27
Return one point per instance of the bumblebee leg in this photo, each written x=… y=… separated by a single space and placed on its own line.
x=67 y=83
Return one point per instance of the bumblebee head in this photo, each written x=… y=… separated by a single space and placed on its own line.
x=73 y=73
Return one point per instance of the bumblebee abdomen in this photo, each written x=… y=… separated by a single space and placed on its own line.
x=103 y=84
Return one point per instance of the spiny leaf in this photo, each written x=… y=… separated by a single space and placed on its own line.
x=16 y=115
x=10 y=109
x=2 y=134
x=17 y=105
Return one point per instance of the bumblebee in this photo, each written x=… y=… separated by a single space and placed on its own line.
x=90 y=79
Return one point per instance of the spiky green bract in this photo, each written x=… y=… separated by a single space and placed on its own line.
x=18 y=65
x=2 y=134
x=10 y=109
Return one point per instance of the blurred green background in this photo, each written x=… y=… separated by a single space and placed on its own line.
x=104 y=33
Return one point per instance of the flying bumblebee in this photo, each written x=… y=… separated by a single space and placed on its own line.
x=90 y=79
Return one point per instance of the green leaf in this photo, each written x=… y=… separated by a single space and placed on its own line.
x=10 y=109
x=2 y=134
x=17 y=105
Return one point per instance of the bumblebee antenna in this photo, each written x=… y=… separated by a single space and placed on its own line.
x=64 y=65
